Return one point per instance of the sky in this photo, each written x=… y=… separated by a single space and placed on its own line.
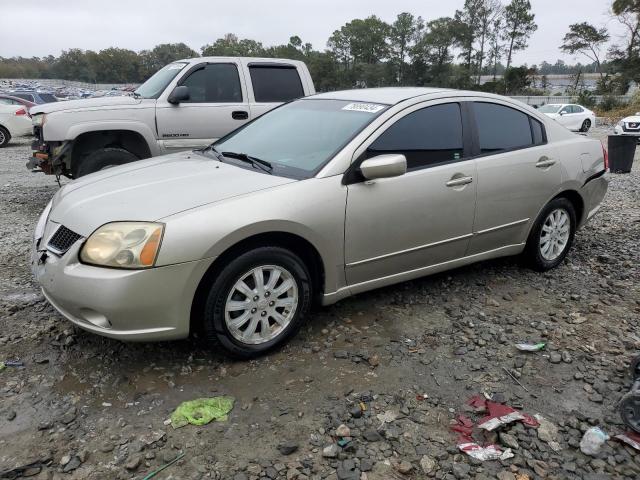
x=48 y=27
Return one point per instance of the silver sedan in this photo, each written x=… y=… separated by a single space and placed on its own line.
x=317 y=200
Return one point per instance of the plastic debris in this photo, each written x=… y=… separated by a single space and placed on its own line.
x=157 y=471
x=10 y=363
x=387 y=417
x=490 y=452
x=630 y=438
x=499 y=414
x=202 y=411
x=422 y=397
x=592 y=441
x=530 y=347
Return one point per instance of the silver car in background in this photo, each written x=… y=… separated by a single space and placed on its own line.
x=319 y=199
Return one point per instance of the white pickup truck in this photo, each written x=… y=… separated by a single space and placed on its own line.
x=187 y=104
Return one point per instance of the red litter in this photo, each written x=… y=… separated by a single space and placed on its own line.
x=500 y=414
x=630 y=438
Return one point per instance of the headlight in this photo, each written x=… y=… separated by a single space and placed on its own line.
x=37 y=120
x=123 y=245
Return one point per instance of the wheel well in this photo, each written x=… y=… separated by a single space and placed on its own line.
x=89 y=142
x=298 y=245
x=577 y=202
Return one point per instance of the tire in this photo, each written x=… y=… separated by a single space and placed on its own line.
x=5 y=137
x=537 y=254
x=224 y=302
x=104 y=158
x=586 y=125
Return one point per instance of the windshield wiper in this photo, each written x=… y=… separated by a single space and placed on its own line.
x=256 y=162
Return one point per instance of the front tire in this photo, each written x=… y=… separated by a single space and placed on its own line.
x=5 y=137
x=102 y=159
x=586 y=125
x=552 y=235
x=257 y=301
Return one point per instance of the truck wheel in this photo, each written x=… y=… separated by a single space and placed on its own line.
x=5 y=136
x=104 y=158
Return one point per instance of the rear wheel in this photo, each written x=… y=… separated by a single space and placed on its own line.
x=552 y=235
x=103 y=159
x=586 y=125
x=5 y=136
x=257 y=301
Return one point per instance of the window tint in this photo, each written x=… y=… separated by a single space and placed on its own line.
x=538 y=132
x=214 y=83
x=275 y=84
x=426 y=137
x=47 y=97
x=25 y=96
x=501 y=128
x=576 y=109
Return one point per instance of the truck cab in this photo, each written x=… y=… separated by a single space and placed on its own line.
x=188 y=104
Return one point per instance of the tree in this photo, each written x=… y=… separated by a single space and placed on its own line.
x=627 y=57
x=403 y=34
x=231 y=46
x=153 y=60
x=432 y=55
x=489 y=13
x=519 y=25
x=586 y=39
x=496 y=48
x=74 y=64
x=467 y=23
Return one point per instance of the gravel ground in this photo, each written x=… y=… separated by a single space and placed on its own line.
x=369 y=388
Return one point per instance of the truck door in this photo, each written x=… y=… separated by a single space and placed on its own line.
x=271 y=85
x=217 y=105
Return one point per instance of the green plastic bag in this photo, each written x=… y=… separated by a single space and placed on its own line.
x=202 y=411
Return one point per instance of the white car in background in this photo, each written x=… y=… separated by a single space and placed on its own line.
x=14 y=122
x=572 y=116
x=629 y=126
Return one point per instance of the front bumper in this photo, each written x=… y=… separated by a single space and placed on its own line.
x=618 y=130
x=138 y=305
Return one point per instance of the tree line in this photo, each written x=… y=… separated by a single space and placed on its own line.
x=481 y=38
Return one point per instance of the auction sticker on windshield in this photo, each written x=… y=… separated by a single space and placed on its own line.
x=363 y=107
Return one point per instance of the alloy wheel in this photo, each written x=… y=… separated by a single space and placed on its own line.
x=554 y=235
x=261 y=304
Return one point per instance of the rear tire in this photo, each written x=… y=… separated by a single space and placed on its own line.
x=552 y=235
x=5 y=137
x=245 y=310
x=586 y=125
x=102 y=159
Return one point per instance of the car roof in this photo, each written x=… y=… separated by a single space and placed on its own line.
x=385 y=95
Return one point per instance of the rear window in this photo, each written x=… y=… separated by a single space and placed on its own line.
x=47 y=97
x=275 y=83
x=501 y=128
x=25 y=96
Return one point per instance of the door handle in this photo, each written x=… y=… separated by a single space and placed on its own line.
x=239 y=115
x=545 y=162
x=459 y=181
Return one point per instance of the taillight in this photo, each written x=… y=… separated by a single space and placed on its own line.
x=605 y=155
x=20 y=112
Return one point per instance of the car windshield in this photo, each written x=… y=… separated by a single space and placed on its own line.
x=298 y=138
x=549 y=108
x=153 y=87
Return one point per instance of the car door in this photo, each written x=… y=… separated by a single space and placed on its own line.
x=271 y=84
x=565 y=116
x=578 y=115
x=419 y=219
x=217 y=105
x=517 y=172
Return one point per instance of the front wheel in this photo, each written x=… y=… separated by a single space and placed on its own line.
x=586 y=125
x=552 y=235
x=257 y=301
x=103 y=159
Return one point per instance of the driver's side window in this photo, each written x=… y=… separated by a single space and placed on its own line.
x=565 y=110
x=214 y=83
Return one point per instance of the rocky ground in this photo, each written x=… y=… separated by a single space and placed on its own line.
x=369 y=389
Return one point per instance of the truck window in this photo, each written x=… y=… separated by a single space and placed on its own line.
x=275 y=83
x=214 y=83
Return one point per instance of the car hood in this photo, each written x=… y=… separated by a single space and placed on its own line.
x=151 y=189
x=632 y=119
x=122 y=101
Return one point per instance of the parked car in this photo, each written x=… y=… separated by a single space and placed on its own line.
x=39 y=98
x=11 y=100
x=628 y=126
x=14 y=122
x=574 y=117
x=187 y=104
x=319 y=199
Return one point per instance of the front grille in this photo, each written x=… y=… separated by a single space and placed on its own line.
x=631 y=126
x=62 y=240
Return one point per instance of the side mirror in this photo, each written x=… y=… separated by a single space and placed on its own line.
x=384 y=166
x=179 y=94
x=562 y=113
